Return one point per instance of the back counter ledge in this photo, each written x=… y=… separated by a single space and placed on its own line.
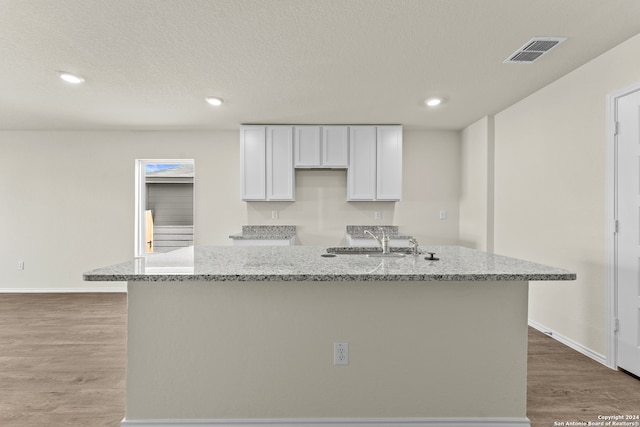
x=244 y=336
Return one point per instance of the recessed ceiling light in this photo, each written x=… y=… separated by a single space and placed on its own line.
x=433 y=101
x=71 y=78
x=215 y=101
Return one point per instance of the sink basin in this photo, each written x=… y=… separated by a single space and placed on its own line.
x=389 y=255
x=370 y=251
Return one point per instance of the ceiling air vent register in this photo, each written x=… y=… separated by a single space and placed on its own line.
x=534 y=49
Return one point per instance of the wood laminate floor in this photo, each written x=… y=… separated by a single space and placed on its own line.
x=564 y=386
x=63 y=357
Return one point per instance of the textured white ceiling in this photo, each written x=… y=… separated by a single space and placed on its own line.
x=149 y=64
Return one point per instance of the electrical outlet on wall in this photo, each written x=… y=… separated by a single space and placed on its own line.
x=20 y=265
x=274 y=214
x=377 y=215
x=341 y=353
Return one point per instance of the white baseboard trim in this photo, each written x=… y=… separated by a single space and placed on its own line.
x=334 y=422
x=118 y=289
x=570 y=343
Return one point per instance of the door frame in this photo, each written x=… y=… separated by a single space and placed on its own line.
x=611 y=218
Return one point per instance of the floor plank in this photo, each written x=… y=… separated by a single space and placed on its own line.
x=63 y=357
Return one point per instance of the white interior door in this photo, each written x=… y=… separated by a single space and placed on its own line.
x=628 y=238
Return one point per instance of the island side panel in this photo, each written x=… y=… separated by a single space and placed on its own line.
x=220 y=350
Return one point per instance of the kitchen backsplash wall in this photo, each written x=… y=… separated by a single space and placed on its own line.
x=430 y=184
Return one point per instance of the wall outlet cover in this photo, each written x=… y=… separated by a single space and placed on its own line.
x=341 y=353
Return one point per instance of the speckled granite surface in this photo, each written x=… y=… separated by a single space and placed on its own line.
x=306 y=263
x=274 y=232
x=357 y=231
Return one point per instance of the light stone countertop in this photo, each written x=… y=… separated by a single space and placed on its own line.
x=306 y=263
x=268 y=232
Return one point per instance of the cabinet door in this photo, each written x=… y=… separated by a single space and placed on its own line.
x=335 y=146
x=252 y=162
x=280 y=172
x=306 y=142
x=361 y=175
x=389 y=163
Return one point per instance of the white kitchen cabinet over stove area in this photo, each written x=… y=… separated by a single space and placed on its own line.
x=372 y=155
x=321 y=147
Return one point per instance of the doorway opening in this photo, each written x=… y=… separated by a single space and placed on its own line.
x=164 y=206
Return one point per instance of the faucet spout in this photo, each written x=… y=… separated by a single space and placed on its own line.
x=383 y=242
x=373 y=235
x=416 y=249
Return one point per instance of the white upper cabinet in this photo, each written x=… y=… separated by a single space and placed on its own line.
x=371 y=154
x=335 y=146
x=321 y=146
x=389 y=163
x=361 y=175
x=306 y=141
x=375 y=163
x=280 y=172
x=253 y=162
x=266 y=163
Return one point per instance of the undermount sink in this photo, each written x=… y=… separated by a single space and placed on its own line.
x=395 y=252
x=389 y=255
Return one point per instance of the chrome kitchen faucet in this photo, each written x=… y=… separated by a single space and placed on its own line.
x=384 y=242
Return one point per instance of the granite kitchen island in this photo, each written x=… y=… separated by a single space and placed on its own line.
x=246 y=338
